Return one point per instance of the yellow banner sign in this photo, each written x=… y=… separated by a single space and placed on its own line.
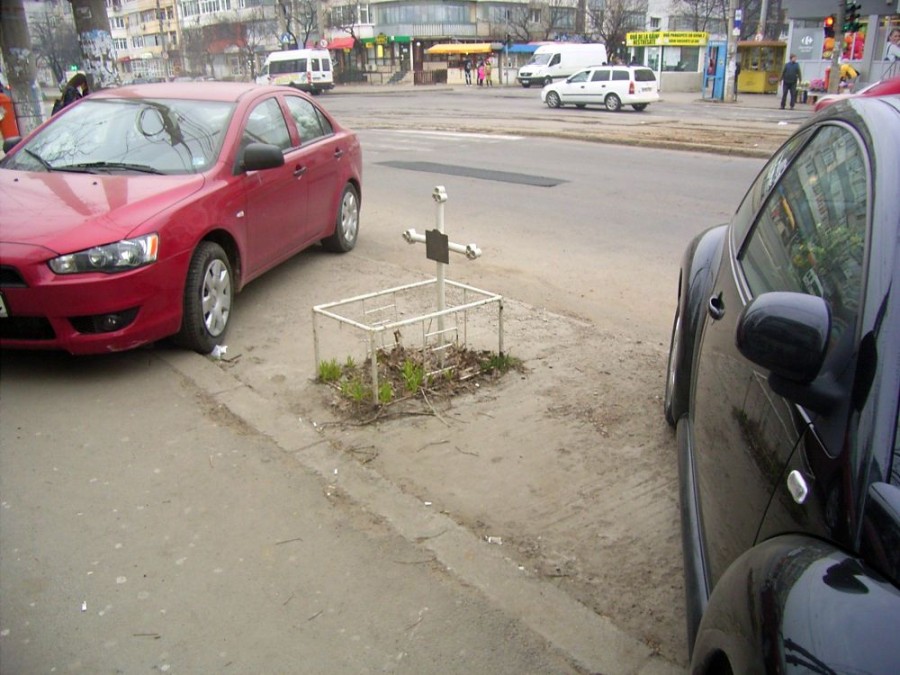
x=671 y=38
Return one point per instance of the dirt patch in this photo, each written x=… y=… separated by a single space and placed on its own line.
x=566 y=464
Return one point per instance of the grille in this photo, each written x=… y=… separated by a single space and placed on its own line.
x=26 y=328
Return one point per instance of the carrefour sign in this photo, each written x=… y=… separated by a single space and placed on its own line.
x=671 y=38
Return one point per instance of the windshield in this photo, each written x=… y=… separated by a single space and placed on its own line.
x=540 y=60
x=132 y=135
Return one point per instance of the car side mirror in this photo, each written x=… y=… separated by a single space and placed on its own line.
x=787 y=334
x=260 y=156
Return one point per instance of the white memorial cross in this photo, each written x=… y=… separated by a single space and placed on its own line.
x=438 y=247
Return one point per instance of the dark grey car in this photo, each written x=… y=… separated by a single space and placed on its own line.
x=783 y=382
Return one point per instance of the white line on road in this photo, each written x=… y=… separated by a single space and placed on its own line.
x=457 y=134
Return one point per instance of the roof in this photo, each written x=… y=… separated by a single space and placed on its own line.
x=212 y=91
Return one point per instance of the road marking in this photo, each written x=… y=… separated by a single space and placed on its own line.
x=458 y=134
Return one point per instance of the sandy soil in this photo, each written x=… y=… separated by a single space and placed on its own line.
x=569 y=466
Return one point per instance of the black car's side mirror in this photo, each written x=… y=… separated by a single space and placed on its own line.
x=787 y=334
x=259 y=156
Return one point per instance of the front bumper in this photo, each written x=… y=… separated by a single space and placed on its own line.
x=87 y=313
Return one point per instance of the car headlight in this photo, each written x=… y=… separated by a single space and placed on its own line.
x=120 y=256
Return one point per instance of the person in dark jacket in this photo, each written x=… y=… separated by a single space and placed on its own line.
x=790 y=78
x=76 y=88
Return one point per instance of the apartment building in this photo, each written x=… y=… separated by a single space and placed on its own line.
x=147 y=38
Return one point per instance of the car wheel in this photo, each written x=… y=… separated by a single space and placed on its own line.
x=346 y=227
x=548 y=80
x=639 y=106
x=613 y=103
x=207 y=299
x=673 y=403
x=553 y=100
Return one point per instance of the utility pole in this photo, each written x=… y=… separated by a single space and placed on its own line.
x=763 y=11
x=20 y=63
x=98 y=52
x=834 y=79
x=734 y=30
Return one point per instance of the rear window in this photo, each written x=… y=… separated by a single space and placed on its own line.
x=644 y=75
x=289 y=66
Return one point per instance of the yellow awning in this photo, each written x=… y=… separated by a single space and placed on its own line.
x=461 y=48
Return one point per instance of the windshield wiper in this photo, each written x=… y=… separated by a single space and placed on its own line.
x=109 y=166
x=44 y=163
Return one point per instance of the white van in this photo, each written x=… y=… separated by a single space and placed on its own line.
x=309 y=70
x=558 y=61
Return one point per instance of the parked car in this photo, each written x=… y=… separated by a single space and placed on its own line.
x=608 y=86
x=139 y=212
x=886 y=87
x=783 y=381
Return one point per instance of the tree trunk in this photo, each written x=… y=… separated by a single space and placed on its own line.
x=97 y=50
x=20 y=64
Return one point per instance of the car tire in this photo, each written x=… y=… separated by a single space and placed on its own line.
x=207 y=303
x=674 y=405
x=548 y=80
x=346 y=226
x=640 y=107
x=613 y=103
x=553 y=100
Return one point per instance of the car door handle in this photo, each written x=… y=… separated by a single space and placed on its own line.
x=338 y=153
x=716 y=307
x=299 y=171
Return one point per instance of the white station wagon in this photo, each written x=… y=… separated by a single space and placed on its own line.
x=609 y=86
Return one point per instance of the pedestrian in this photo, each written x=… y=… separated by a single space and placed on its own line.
x=76 y=88
x=481 y=73
x=737 y=74
x=790 y=77
x=848 y=75
x=467 y=66
x=892 y=48
x=487 y=73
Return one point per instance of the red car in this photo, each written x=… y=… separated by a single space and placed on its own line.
x=138 y=213
x=880 y=88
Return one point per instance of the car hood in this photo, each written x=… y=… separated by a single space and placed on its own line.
x=67 y=212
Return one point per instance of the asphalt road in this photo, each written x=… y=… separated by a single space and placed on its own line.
x=754 y=126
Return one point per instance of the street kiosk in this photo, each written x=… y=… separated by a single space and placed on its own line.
x=761 y=64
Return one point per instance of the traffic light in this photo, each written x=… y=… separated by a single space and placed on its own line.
x=851 y=17
x=829 y=26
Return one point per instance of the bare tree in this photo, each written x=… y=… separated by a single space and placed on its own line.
x=250 y=30
x=555 y=19
x=345 y=18
x=300 y=20
x=519 y=23
x=54 y=41
x=611 y=20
